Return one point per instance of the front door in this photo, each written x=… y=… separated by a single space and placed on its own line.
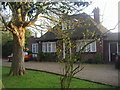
x=113 y=50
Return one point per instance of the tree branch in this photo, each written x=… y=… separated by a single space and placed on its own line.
x=78 y=71
x=49 y=18
x=5 y=23
x=27 y=24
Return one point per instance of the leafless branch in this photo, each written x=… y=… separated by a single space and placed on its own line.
x=49 y=18
x=78 y=70
x=5 y=23
x=32 y=21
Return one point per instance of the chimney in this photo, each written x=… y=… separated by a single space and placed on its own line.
x=96 y=12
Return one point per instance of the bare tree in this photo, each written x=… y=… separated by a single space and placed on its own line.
x=23 y=15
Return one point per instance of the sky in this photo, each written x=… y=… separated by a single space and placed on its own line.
x=108 y=12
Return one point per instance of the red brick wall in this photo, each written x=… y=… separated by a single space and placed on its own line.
x=99 y=46
x=87 y=56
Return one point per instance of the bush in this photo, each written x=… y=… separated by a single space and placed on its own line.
x=98 y=58
x=48 y=56
x=89 y=61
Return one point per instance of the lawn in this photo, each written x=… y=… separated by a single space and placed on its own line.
x=37 y=79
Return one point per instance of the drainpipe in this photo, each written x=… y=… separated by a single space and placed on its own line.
x=109 y=53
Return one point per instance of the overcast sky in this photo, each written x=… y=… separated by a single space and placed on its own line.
x=108 y=12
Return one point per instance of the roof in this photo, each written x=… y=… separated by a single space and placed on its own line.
x=112 y=36
x=93 y=27
x=49 y=36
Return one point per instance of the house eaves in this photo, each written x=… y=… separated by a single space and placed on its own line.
x=112 y=37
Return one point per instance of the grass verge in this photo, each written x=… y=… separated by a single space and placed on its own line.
x=36 y=79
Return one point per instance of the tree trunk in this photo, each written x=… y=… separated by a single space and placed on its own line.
x=18 y=67
x=66 y=80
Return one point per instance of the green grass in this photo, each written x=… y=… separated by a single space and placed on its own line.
x=36 y=79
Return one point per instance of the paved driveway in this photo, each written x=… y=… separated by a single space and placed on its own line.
x=104 y=73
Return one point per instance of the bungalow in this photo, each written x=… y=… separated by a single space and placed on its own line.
x=50 y=41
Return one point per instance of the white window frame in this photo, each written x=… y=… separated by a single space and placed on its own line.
x=94 y=48
x=86 y=41
x=35 y=46
x=48 y=47
x=44 y=45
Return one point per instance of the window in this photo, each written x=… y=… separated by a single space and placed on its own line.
x=35 y=48
x=44 y=47
x=89 y=48
x=93 y=46
x=67 y=25
x=54 y=47
x=80 y=45
x=49 y=47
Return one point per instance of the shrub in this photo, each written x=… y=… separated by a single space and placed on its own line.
x=98 y=58
x=89 y=61
x=48 y=56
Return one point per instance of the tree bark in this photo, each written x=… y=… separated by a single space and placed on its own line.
x=18 y=67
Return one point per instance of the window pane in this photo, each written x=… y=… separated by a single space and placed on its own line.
x=88 y=49
x=93 y=47
x=44 y=47
x=33 y=48
x=49 y=47
x=53 y=47
x=80 y=45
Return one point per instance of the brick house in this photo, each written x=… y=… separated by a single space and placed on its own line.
x=111 y=45
x=49 y=42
